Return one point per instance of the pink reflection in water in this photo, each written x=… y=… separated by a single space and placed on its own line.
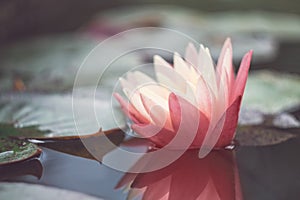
x=214 y=177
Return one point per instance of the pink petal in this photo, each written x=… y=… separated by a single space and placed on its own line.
x=204 y=97
x=191 y=55
x=159 y=61
x=175 y=111
x=207 y=69
x=159 y=116
x=166 y=75
x=223 y=96
x=183 y=114
x=229 y=125
x=184 y=118
x=130 y=111
x=226 y=46
x=187 y=119
x=241 y=78
x=181 y=67
x=141 y=78
x=223 y=132
x=158 y=135
x=225 y=64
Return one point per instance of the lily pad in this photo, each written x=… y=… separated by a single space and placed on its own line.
x=13 y=150
x=25 y=132
x=31 y=166
x=48 y=120
x=14 y=191
x=262 y=136
x=271 y=92
x=37 y=115
x=91 y=146
x=52 y=61
x=200 y=26
x=280 y=25
x=50 y=64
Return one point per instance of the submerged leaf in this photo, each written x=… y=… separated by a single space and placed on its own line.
x=15 y=191
x=263 y=135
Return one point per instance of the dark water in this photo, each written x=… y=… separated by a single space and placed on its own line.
x=266 y=173
x=79 y=174
x=271 y=172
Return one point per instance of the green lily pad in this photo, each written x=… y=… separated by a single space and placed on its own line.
x=47 y=63
x=48 y=120
x=25 y=191
x=40 y=115
x=271 y=92
x=13 y=150
x=50 y=64
x=25 y=132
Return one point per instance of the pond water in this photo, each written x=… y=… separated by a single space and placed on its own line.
x=266 y=173
x=37 y=78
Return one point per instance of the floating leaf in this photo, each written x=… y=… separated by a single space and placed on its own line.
x=262 y=135
x=82 y=146
x=40 y=115
x=52 y=61
x=50 y=64
x=16 y=191
x=25 y=132
x=271 y=92
x=50 y=118
x=13 y=150
x=27 y=167
x=192 y=23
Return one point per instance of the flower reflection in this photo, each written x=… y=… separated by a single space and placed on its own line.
x=213 y=177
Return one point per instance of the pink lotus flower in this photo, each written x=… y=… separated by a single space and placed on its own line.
x=214 y=177
x=190 y=98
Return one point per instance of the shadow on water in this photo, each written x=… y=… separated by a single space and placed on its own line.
x=265 y=173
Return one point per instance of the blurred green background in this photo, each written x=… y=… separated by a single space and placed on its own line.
x=23 y=19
